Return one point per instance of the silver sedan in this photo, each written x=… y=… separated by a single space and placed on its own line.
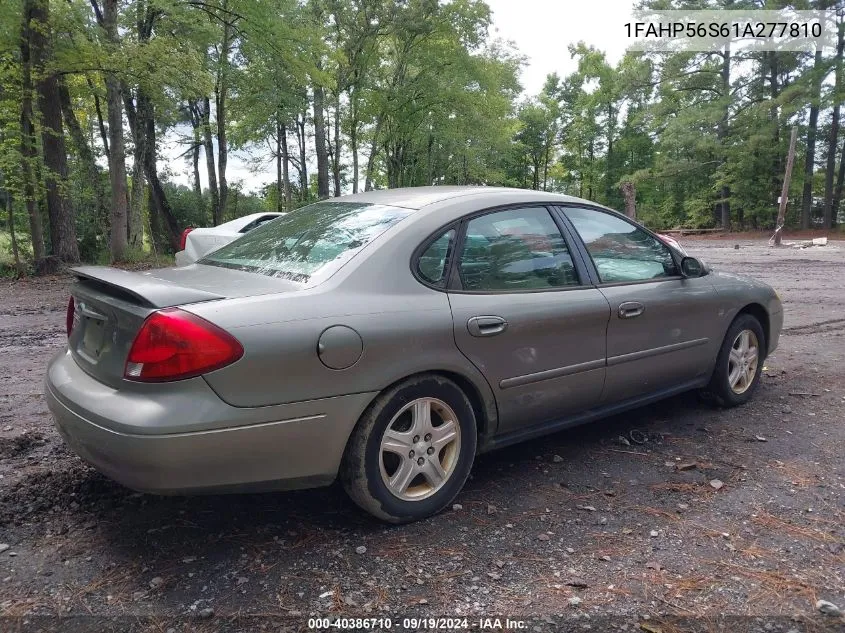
x=387 y=338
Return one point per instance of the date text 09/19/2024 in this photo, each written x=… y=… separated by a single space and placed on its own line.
x=416 y=623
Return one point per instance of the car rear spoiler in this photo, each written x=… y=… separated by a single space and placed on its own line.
x=143 y=286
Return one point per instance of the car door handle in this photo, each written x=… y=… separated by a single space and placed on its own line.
x=630 y=309
x=486 y=325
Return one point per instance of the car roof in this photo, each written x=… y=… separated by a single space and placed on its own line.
x=421 y=197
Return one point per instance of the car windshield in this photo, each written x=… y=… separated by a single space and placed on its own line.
x=312 y=240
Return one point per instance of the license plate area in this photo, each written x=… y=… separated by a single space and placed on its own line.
x=92 y=337
x=92 y=324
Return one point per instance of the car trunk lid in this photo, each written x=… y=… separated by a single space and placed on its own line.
x=110 y=306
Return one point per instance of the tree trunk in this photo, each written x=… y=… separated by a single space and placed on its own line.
x=546 y=165
x=208 y=143
x=630 y=195
x=117 y=169
x=353 y=139
x=429 y=155
x=59 y=207
x=280 y=196
x=609 y=160
x=195 y=163
x=221 y=94
x=329 y=151
x=29 y=153
x=285 y=167
x=143 y=122
x=393 y=161
x=774 y=115
x=117 y=156
x=580 y=170
x=135 y=221
x=83 y=150
x=838 y=96
x=137 y=198
x=371 y=159
x=14 y=240
x=722 y=133
x=104 y=137
x=151 y=170
x=320 y=144
x=810 y=156
x=840 y=184
x=303 y=169
x=155 y=225
x=336 y=164
x=139 y=187
x=196 y=125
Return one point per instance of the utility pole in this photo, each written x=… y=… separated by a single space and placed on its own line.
x=784 y=195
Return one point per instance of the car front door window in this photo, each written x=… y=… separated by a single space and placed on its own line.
x=517 y=249
x=621 y=251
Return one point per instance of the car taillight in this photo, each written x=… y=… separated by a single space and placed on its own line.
x=184 y=239
x=71 y=310
x=174 y=344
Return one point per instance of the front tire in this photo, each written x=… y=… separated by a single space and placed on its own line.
x=412 y=450
x=739 y=362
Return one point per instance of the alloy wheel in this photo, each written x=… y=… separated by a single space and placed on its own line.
x=742 y=361
x=419 y=449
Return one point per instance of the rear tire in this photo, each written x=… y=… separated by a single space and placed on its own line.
x=412 y=450
x=739 y=363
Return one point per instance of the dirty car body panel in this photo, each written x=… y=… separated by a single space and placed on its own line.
x=538 y=344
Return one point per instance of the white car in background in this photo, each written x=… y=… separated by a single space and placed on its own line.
x=197 y=243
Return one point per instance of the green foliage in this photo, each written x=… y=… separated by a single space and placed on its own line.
x=415 y=92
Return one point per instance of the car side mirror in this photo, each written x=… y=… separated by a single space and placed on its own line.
x=691 y=267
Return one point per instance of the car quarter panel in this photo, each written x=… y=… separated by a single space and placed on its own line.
x=400 y=334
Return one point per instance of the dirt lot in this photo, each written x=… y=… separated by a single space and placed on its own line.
x=570 y=528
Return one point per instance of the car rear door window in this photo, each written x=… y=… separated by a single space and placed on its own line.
x=431 y=265
x=621 y=251
x=516 y=249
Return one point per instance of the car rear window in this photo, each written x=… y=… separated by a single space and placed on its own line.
x=313 y=240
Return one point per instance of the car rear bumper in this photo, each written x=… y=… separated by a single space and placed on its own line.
x=141 y=442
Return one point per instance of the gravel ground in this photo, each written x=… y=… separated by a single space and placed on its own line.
x=677 y=509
